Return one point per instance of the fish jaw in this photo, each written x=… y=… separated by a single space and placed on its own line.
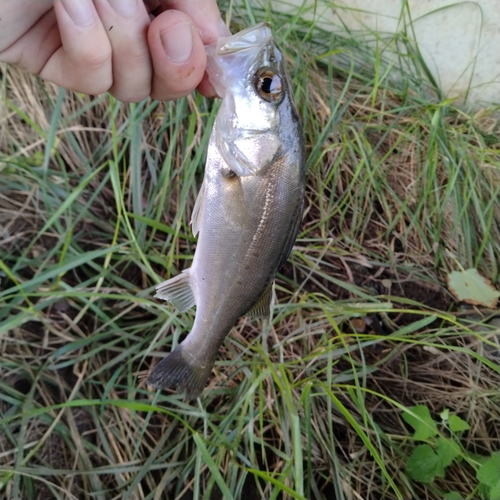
x=238 y=54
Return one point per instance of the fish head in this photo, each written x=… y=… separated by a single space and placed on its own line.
x=247 y=71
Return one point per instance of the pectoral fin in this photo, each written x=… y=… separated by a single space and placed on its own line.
x=292 y=236
x=198 y=210
x=261 y=309
x=178 y=291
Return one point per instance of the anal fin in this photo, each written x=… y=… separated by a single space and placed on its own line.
x=178 y=291
x=261 y=308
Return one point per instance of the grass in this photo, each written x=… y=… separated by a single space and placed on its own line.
x=95 y=202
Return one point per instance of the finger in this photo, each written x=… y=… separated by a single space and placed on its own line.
x=34 y=47
x=16 y=20
x=178 y=55
x=83 y=62
x=206 y=88
x=126 y=23
x=207 y=18
x=205 y=15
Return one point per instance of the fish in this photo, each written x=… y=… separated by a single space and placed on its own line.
x=249 y=208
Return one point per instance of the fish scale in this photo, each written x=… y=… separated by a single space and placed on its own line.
x=249 y=207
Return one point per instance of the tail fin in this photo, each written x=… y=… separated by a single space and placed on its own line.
x=181 y=372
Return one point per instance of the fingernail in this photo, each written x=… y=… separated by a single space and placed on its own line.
x=125 y=8
x=81 y=11
x=223 y=29
x=177 y=42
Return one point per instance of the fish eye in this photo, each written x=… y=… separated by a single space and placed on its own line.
x=268 y=85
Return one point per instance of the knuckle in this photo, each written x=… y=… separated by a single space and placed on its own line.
x=93 y=84
x=94 y=72
x=94 y=61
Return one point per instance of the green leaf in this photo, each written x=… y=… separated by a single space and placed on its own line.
x=453 y=495
x=445 y=414
x=447 y=450
x=489 y=473
x=457 y=424
x=421 y=421
x=495 y=491
x=483 y=492
x=469 y=286
x=424 y=465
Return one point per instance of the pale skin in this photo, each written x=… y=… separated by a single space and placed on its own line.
x=130 y=48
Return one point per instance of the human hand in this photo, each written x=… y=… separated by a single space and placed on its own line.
x=130 y=48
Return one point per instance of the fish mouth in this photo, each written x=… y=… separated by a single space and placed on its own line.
x=248 y=39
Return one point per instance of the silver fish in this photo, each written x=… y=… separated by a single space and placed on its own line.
x=249 y=208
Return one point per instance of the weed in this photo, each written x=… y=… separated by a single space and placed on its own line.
x=443 y=447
